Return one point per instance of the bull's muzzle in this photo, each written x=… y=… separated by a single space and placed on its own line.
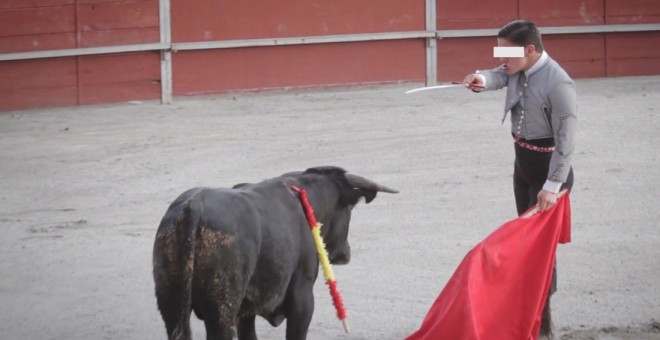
x=342 y=257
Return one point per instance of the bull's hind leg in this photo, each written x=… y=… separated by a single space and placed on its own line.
x=217 y=314
x=172 y=303
x=217 y=284
x=246 y=329
x=176 y=323
x=211 y=304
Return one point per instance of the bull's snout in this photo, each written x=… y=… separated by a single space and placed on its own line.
x=342 y=257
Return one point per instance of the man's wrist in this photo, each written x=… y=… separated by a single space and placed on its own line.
x=552 y=186
x=483 y=80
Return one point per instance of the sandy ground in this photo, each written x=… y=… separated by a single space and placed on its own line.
x=83 y=189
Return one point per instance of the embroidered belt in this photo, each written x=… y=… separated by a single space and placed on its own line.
x=531 y=147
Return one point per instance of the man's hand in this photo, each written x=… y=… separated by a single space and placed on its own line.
x=546 y=200
x=474 y=82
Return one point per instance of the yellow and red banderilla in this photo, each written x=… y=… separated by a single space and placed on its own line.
x=323 y=257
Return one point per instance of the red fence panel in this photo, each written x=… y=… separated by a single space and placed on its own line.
x=581 y=55
x=563 y=12
x=211 y=20
x=212 y=71
x=119 y=15
x=40 y=42
x=460 y=56
x=469 y=14
x=120 y=37
x=118 y=23
x=36 y=25
x=632 y=11
x=38 y=20
x=39 y=97
x=25 y=74
x=5 y=4
x=38 y=83
x=630 y=55
x=112 y=78
x=295 y=66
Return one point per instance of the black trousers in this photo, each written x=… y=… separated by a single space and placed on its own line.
x=529 y=174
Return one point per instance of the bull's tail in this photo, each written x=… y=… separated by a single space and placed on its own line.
x=173 y=261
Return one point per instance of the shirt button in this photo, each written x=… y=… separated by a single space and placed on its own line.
x=520 y=93
x=525 y=84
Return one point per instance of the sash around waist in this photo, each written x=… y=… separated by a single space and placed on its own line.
x=538 y=145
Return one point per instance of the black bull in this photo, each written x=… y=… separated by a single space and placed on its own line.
x=232 y=254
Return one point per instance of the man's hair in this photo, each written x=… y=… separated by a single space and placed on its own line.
x=522 y=33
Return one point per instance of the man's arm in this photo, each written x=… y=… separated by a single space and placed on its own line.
x=563 y=101
x=494 y=79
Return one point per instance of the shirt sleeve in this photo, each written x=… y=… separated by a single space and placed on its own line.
x=494 y=79
x=563 y=104
x=552 y=186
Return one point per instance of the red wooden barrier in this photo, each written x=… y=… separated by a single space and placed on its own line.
x=38 y=25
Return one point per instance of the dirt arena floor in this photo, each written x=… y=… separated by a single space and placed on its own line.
x=83 y=189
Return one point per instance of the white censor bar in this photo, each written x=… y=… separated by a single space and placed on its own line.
x=508 y=52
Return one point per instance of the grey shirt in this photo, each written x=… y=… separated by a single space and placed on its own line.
x=543 y=104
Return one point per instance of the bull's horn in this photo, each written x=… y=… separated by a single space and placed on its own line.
x=360 y=182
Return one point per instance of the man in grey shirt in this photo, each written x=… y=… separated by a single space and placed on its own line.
x=542 y=100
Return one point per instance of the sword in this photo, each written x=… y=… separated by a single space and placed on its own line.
x=445 y=86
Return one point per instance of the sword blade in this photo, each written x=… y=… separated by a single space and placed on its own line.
x=445 y=86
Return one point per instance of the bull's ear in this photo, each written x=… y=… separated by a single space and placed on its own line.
x=368 y=195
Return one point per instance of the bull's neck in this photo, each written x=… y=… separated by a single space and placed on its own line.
x=320 y=209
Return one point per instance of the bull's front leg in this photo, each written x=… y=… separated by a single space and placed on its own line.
x=246 y=329
x=300 y=310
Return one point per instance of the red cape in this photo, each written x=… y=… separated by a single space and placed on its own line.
x=499 y=290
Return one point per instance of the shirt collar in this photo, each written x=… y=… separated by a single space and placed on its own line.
x=538 y=64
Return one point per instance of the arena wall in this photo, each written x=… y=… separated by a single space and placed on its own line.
x=76 y=52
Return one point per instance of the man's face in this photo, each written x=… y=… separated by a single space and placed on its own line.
x=513 y=65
